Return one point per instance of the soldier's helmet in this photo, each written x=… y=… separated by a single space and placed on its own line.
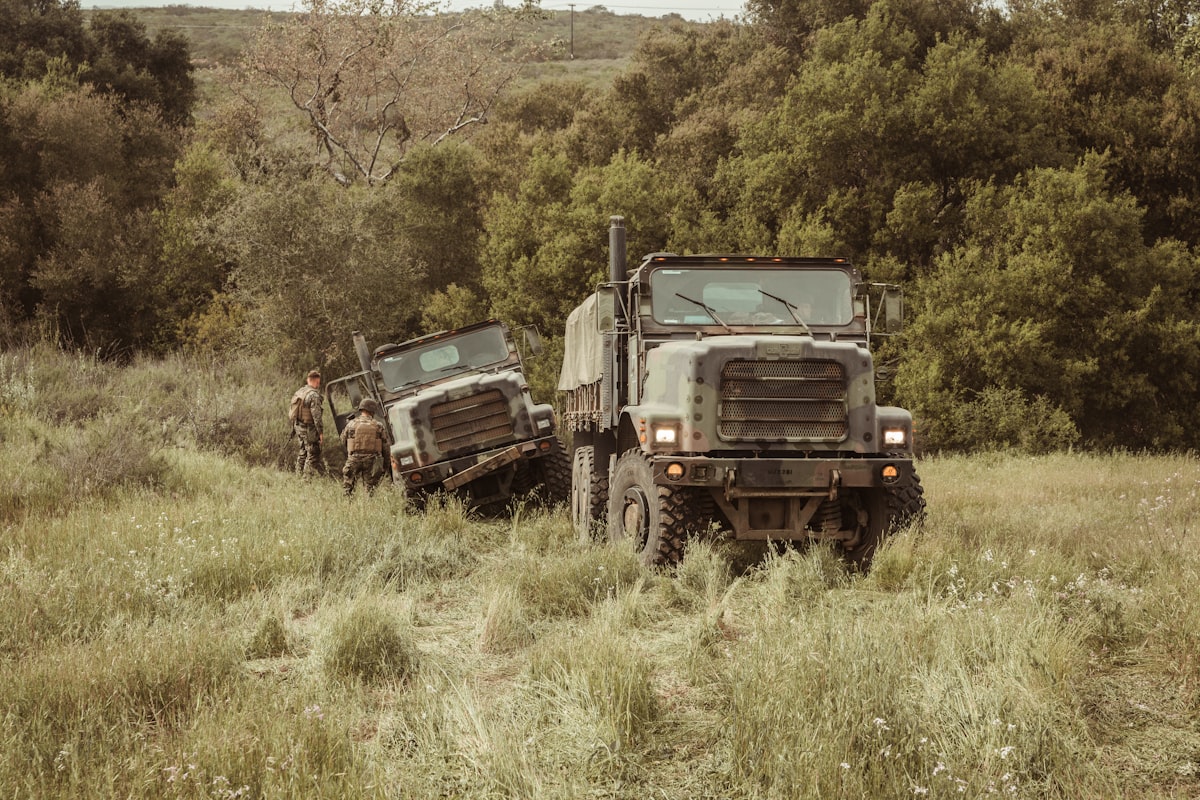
x=370 y=405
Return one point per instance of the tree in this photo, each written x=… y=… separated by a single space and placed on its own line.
x=75 y=220
x=36 y=32
x=373 y=78
x=438 y=204
x=313 y=261
x=194 y=261
x=1054 y=296
x=124 y=61
x=113 y=54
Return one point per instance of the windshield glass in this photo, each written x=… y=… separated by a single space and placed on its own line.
x=762 y=296
x=438 y=359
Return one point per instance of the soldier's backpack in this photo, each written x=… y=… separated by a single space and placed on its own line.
x=296 y=407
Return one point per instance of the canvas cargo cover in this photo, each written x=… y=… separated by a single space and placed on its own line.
x=583 y=355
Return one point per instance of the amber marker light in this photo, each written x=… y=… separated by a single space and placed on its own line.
x=889 y=473
x=674 y=470
x=415 y=477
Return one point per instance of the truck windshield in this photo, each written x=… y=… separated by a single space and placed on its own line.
x=767 y=296
x=440 y=358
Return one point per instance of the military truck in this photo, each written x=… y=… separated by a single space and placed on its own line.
x=738 y=392
x=459 y=416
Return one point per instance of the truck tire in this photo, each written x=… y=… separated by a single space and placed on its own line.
x=890 y=509
x=589 y=494
x=555 y=471
x=657 y=520
x=416 y=498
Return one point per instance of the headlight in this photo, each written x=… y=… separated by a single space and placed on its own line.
x=405 y=460
x=894 y=437
x=664 y=435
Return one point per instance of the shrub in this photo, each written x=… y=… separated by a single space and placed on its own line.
x=1005 y=419
x=114 y=450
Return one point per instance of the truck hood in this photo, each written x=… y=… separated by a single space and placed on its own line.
x=470 y=414
x=752 y=391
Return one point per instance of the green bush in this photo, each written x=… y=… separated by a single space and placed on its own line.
x=115 y=450
x=1005 y=419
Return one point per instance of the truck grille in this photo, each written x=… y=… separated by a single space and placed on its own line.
x=783 y=400
x=471 y=422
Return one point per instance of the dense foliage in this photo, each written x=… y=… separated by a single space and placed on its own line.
x=1029 y=173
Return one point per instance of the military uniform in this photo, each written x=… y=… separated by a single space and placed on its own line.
x=308 y=431
x=366 y=447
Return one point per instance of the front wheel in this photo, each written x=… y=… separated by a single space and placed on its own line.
x=888 y=509
x=554 y=472
x=656 y=519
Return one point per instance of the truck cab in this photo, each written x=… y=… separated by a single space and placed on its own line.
x=735 y=391
x=460 y=416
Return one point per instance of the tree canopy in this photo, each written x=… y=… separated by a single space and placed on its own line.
x=1029 y=173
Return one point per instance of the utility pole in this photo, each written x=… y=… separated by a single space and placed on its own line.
x=572 y=5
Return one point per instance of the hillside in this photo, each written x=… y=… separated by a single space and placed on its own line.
x=217 y=36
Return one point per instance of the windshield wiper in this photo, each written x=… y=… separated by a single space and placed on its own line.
x=708 y=309
x=792 y=308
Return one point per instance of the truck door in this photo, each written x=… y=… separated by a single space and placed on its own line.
x=344 y=394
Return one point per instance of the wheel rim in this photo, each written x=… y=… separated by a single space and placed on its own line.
x=635 y=515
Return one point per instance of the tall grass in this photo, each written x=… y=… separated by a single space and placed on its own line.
x=226 y=629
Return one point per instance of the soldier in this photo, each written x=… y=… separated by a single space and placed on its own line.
x=306 y=414
x=366 y=441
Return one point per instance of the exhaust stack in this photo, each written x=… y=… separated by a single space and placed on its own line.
x=616 y=249
x=364 y=354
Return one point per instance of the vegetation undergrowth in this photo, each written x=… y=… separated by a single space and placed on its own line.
x=227 y=629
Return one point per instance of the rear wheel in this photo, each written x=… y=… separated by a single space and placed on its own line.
x=656 y=520
x=589 y=494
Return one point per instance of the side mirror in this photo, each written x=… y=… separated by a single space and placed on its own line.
x=533 y=340
x=893 y=310
x=606 y=309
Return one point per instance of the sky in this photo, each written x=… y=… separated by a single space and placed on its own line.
x=697 y=10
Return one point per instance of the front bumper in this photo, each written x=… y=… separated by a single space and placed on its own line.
x=781 y=498
x=460 y=471
x=783 y=477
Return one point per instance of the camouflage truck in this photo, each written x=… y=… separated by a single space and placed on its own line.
x=459 y=416
x=737 y=391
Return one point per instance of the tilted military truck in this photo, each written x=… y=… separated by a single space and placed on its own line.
x=735 y=390
x=459 y=416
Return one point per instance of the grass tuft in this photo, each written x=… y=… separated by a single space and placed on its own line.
x=370 y=643
x=595 y=680
x=269 y=639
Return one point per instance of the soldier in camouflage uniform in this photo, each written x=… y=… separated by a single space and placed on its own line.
x=366 y=444
x=307 y=425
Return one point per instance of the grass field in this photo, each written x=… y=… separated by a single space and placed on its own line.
x=182 y=618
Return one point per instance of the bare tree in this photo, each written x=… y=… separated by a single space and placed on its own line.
x=375 y=77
